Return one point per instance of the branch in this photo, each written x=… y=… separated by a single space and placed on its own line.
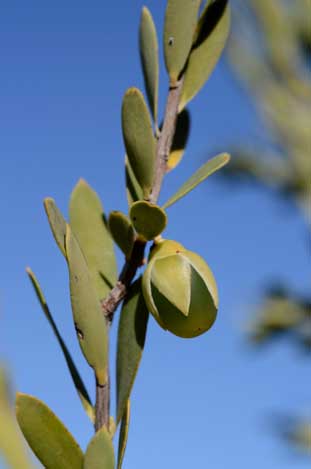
x=119 y=291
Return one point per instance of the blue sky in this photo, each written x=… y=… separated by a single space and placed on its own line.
x=201 y=403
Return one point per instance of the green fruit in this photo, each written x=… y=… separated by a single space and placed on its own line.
x=180 y=290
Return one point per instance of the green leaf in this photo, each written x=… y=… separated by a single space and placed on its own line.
x=122 y=231
x=92 y=234
x=180 y=139
x=124 y=434
x=131 y=341
x=210 y=40
x=149 y=55
x=100 y=452
x=180 y=22
x=46 y=434
x=138 y=138
x=133 y=190
x=199 y=176
x=12 y=447
x=178 y=268
x=89 y=321
x=149 y=220
x=57 y=223
x=74 y=373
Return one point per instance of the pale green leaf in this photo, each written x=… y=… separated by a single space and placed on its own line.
x=131 y=340
x=149 y=54
x=124 y=429
x=89 y=320
x=178 y=292
x=149 y=220
x=87 y=221
x=57 y=223
x=74 y=373
x=210 y=40
x=122 y=231
x=46 y=435
x=100 y=453
x=138 y=138
x=199 y=176
x=180 y=23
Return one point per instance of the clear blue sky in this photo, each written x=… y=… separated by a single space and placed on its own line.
x=202 y=403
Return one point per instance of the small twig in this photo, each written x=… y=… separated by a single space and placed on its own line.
x=119 y=291
x=166 y=138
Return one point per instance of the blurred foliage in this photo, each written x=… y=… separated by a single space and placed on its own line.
x=270 y=52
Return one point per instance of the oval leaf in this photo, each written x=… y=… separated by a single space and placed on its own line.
x=12 y=447
x=138 y=138
x=122 y=231
x=46 y=434
x=211 y=37
x=133 y=190
x=75 y=375
x=124 y=429
x=89 y=321
x=92 y=234
x=180 y=23
x=131 y=341
x=57 y=223
x=100 y=452
x=199 y=176
x=149 y=55
x=149 y=220
x=180 y=139
x=177 y=268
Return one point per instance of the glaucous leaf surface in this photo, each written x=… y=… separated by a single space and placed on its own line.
x=149 y=55
x=210 y=39
x=46 y=435
x=149 y=220
x=89 y=226
x=88 y=318
x=180 y=23
x=138 y=138
x=131 y=340
x=57 y=223
x=124 y=429
x=100 y=453
x=199 y=176
x=122 y=231
x=74 y=373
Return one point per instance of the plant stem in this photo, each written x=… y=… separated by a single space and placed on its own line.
x=119 y=291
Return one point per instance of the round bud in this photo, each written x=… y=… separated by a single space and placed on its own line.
x=180 y=290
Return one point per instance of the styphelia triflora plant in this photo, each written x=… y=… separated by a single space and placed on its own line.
x=177 y=287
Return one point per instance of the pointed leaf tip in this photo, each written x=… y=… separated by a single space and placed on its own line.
x=74 y=373
x=199 y=176
x=57 y=223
